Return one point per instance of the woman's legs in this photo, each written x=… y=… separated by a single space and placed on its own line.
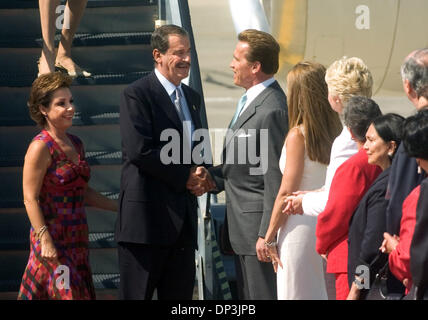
x=47 y=20
x=75 y=9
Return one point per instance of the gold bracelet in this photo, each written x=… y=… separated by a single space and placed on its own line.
x=271 y=244
x=39 y=233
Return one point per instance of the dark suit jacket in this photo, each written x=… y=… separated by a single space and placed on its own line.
x=419 y=245
x=154 y=202
x=250 y=189
x=366 y=229
x=403 y=179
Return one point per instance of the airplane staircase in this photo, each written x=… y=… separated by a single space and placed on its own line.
x=113 y=43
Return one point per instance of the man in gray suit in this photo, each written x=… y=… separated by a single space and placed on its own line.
x=250 y=172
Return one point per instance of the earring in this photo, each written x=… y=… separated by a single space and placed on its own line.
x=419 y=170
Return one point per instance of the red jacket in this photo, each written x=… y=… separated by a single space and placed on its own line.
x=350 y=182
x=399 y=259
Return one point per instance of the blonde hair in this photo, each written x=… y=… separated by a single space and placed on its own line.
x=307 y=97
x=348 y=77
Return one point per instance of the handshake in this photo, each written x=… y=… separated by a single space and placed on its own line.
x=200 y=181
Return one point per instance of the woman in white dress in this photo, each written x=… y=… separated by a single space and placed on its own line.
x=304 y=159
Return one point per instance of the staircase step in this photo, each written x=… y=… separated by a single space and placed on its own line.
x=103 y=179
x=16 y=202
x=104 y=265
x=93 y=158
x=106 y=139
x=119 y=17
x=32 y=4
x=97 y=104
x=132 y=58
x=15 y=228
x=82 y=39
x=26 y=79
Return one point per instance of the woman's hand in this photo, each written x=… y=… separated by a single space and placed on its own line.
x=293 y=203
x=389 y=243
x=354 y=293
x=49 y=252
x=273 y=253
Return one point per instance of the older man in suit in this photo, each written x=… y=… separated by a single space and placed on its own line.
x=250 y=172
x=156 y=226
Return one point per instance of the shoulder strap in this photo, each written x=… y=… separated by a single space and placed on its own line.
x=78 y=144
x=47 y=139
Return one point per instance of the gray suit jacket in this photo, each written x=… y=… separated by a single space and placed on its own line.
x=250 y=172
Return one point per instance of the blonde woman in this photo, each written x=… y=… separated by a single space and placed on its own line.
x=305 y=155
x=346 y=77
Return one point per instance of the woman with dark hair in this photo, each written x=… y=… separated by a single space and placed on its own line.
x=55 y=187
x=415 y=140
x=369 y=221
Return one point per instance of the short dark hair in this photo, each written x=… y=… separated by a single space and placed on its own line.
x=262 y=48
x=160 y=37
x=415 y=135
x=359 y=113
x=41 y=93
x=415 y=70
x=389 y=128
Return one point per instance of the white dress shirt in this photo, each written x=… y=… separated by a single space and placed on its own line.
x=343 y=148
x=254 y=91
x=170 y=89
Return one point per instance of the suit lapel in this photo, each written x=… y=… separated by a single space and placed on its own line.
x=193 y=108
x=249 y=112
x=164 y=102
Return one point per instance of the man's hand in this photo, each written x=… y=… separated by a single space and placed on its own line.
x=261 y=250
x=200 y=181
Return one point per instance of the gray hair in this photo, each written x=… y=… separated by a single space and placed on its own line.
x=415 y=70
x=358 y=114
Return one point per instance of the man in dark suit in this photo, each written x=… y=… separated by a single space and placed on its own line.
x=404 y=175
x=156 y=229
x=250 y=172
x=419 y=246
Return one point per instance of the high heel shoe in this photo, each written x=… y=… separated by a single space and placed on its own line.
x=38 y=69
x=77 y=73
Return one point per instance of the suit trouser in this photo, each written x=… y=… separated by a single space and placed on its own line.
x=144 y=268
x=256 y=280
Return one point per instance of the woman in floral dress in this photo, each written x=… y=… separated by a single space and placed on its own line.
x=55 y=186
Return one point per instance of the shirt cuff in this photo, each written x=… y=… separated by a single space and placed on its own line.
x=313 y=203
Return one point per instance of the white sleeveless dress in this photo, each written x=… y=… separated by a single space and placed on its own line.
x=302 y=275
